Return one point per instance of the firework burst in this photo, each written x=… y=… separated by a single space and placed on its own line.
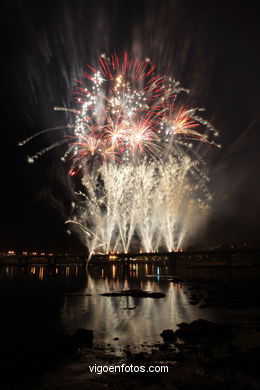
x=143 y=186
x=128 y=110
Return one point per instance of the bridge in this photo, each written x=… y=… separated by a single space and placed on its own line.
x=229 y=257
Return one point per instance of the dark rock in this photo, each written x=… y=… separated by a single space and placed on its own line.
x=128 y=353
x=163 y=347
x=134 y=293
x=156 y=295
x=115 y=338
x=139 y=356
x=180 y=346
x=83 y=337
x=168 y=336
x=202 y=330
x=182 y=356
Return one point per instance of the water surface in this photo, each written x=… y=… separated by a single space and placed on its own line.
x=39 y=299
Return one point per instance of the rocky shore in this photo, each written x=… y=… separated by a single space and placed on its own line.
x=200 y=354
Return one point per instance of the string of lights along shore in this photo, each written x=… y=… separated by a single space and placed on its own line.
x=133 y=144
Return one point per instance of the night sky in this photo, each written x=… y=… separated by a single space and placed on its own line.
x=211 y=47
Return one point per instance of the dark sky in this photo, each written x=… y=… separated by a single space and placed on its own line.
x=211 y=47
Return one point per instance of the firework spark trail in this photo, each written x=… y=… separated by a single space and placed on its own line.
x=132 y=143
x=154 y=199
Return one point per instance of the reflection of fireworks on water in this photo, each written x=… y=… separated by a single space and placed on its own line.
x=132 y=142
